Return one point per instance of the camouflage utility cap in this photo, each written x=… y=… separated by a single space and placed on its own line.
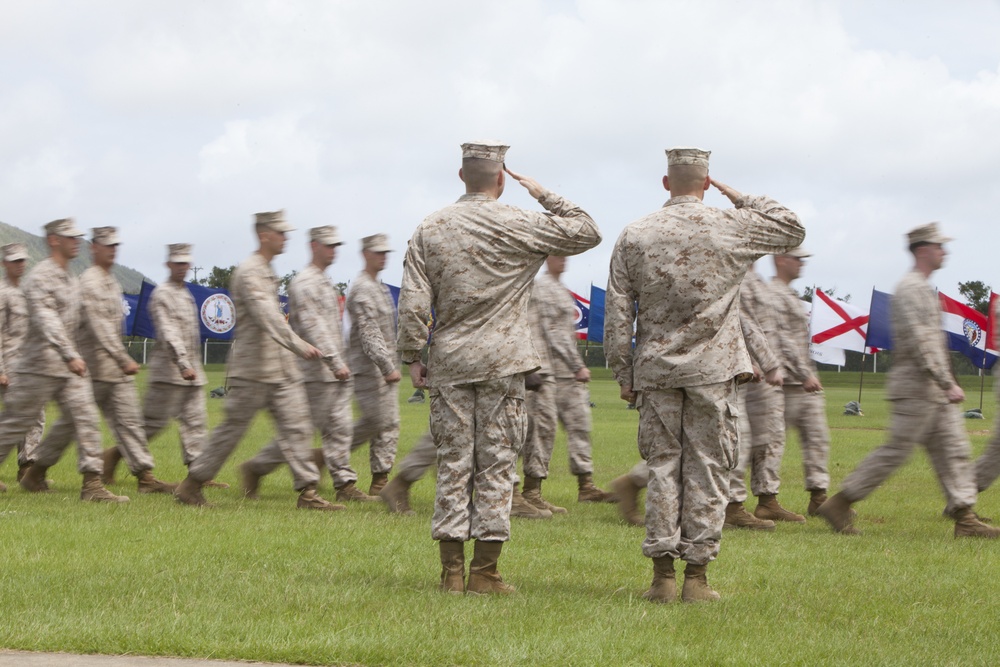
x=376 y=243
x=105 y=235
x=485 y=150
x=14 y=252
x=695 y=156
x=273 y=220
x=798 y=253
x=928 y=233
x=327 y=235
x=179 y=253
x=63 y=227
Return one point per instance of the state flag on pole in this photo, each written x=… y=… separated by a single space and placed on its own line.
x=595 y=330
x=880 y=321
x=837 y=324
x=581 y=316
x=822 y=353
x=966 y=331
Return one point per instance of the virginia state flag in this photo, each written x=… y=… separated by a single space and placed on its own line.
x=581 y=316
x=966 y=331
x=216 y=312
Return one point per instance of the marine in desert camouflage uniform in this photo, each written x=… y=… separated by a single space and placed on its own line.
x=805 y=407
x=924 y=397
x=13 y=327
x=472 y=263
x=176 y=384
x=51 y=367
x=263 y=375
x=373 y=360
x=676 y=275
x=314 y=314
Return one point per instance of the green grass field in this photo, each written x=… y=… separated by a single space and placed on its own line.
x=262 y=581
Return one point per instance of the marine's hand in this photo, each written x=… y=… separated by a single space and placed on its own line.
x=534 y=189
x=955 y=394
x=188 y=374
x=758 y=374
x=4 y=380
x=730 y=193
x=131 y=368
x=812 y=385
x=342 y=373
x=582 y=375
x=627 y=394
x=775 y=378
x=393 y=377
x=418 y=375
x=311 y=353
x=77 y=367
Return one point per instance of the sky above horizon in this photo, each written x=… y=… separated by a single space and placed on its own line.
x=176 y=121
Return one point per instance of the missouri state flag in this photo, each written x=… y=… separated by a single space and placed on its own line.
x=965 y=328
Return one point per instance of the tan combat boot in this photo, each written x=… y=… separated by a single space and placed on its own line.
x=588 y=493
x=664 y=586
x=483 y=576
x=215 y=485
x=396 y=496
x=816 y=498
x=768 y=508
x=837 y=512
x=310 y=500
x=522 y=509
x=249 y=480
x=188 y=492
x=452 y=566
x=94 y=491
x=967 y=524
x=110 y=457
x=696 y=588
x=34 y=480
x=533 y=495
x=21 y=469
x=738 y=517
x=350 y=492
x=379 y=480
x=627 y=495
x=149 y=484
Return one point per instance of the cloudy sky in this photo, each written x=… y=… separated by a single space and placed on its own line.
x=176 y=120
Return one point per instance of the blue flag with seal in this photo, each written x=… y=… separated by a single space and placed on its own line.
x=130 y=306
x=879 y=321
x=216 y=312
x=595 y=325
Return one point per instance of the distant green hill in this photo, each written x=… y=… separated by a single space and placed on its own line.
x=130 y=279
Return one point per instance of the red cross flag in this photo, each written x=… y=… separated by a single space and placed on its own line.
x=837 y=323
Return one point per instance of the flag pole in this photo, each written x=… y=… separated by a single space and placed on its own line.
x=861 y=380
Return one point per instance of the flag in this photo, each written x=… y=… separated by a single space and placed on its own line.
x=130 y=303
x=821 y=352
x=966 y=331
x=581 y=316
x=879 y=321
x=216 y=312
x=595 y=329
x=837 y=324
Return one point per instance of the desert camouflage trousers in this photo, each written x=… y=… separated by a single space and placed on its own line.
x=762 y=441
x=119 y=403
x=186 y=404
x=418 y=460
x=479 y=430
x=289 y=407
x=936 y=426
x=75 y=397
x=379 y=422
x=330 y=407
x=27 y=446
x=689 y=439
x=568 y=401
x=806 y=413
